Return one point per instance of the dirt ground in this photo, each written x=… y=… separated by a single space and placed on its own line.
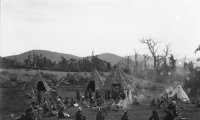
x=13 y=101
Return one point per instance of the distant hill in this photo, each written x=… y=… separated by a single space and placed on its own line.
x=109 y=57
x=54 y=56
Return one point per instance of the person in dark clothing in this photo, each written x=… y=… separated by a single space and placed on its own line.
x=90 y=94
x=172 y=107
x=52 y=110
x=78 y=97
x=60 y=113
x=169 y=115
x=97 y=93
x=125 y=116
x=100 y=115
x=99 y=101
x=45 y=108
x=198 y=103
x=154 y=116
x=29 y=114
x=79 y=115
x=66 y=102
x=86 y=95
x=153 y=102
x=53 y=107
x=39 y=97
x=72 y=102
x=92 y=102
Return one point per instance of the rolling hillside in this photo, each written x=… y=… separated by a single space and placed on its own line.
x=108 y=57
x=54 y=56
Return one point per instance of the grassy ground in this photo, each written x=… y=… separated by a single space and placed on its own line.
x=13 y=101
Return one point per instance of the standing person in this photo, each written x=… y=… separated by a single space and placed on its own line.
x=109 y=95
x=72 y=102
x=198 y=103
x=79 y=115
x=125 y=116
x=90 y=94
x=100 y=115
x=86 y=95
x=66 y=102
x=97 y=94
x=77 y=95
x=39 y=97
x=154 y=116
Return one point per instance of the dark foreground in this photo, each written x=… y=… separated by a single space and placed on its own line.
x=13 y=101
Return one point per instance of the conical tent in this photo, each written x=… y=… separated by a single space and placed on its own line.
x=180 y=93
x=116 y=78
x=95 y=82
x=38 y=83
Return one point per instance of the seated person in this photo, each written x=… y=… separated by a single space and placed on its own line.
x=125 y=116
x=198 y=103
x=79 y=115
x=99 y=102
x=169 y=115
x=45 y=108
x=29 y=114
x=72 y=102
x=53 y=107
x=61 y=113
x=92 y=102
x=153 y=102
x=154 y=116
x=135 y=101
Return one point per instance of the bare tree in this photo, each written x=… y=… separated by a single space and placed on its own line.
x=145 y=60
x=198 y=49
x=153 y=48
x=136 y=59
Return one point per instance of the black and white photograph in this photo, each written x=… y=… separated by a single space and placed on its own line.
x=100 y=60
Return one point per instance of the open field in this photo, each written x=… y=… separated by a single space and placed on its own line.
x=13 y=101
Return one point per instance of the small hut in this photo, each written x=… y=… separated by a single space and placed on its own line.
x=95 y=83
x=38 y=83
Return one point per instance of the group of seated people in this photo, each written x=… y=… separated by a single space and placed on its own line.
x=55 y=106
x=169 y=107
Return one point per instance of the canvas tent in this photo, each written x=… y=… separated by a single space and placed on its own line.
x=95 y=82
x=180 y=93
x=38 y=83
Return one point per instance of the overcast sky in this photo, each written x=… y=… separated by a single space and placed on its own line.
x=115 y=26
